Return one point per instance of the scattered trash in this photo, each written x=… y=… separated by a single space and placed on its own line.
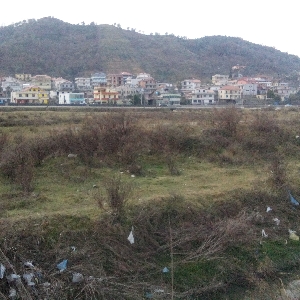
x=131 y=237
x=293 y=235
x=12 y=293
x=269 y=208
x=132 y=176
x=277 y=221
x=148 y=295
x=159 y=291
x=95 y=186
x=62 y=265
x=2 y=271
x=28 y=277
x=72 y=155
x=13 y=278
x=293 y=200
x=297 y=136
x=77 y=277
x=46 y=284
x=165 y=270
x=263 y=233
x=73 y=248
x=29 y=264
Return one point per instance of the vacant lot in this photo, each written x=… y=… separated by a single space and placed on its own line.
x=193 y=185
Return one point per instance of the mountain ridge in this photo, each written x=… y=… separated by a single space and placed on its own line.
x=51 y=46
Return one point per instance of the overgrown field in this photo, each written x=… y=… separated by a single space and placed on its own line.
x=193 y=187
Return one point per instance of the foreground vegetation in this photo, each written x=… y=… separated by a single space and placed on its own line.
x=193 y=185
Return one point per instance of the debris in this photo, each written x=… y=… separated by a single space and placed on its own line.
x=77 y=277
x=148 y=295
x=46 y=284
x=62 y=265
x=29 y=264
x=263 y=234
x=73 y=248
x=277 y=221
x=13 y=278
x=165 y=270
x=28 y=277
x=95 y=186
x=2 y=271
x=293 y=235
x=159 y=291
x=269 y=208
x=293 y=200
x=131 y=237
x=72 y=155
x=297 y=136
x=132 y=176
x=12 y=293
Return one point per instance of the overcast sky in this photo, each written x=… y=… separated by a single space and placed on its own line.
x=269 y=23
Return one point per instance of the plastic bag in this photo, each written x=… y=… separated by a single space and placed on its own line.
x=77 y=277
x=2 y=271
x=62 y=265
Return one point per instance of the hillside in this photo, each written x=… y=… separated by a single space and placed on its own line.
x=57 y=48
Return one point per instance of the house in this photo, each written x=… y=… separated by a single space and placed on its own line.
x=42 y=81
x=70 y=98
x=168 y=99
x=126 y=92
x=23 y=77
x=60 y=84
x=11 y=84
x=105 y=95
x=31 y=95
x=83 y=83
x=188 y=85
x=219 y=79
x=248 y=89
x=203 y=97
x=98 y=79
x=114 y=80
x=229 y=93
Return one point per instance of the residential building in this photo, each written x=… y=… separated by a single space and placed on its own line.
x=126 y=92
x=41 y=81
x=83 y=83
x=11 y=84
x=31 y=95
x=70 y=98
x=148 y=85
x=188 y=85
x=219 y=79
x=168 y=99
x=105 y=95
x=98 y=79
x=229 y=93
x=61 y=84
x=203 y=97
x=114 y=80
x=249 y=89
x=23 y=77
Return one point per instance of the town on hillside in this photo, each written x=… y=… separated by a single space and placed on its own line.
x=143 y=90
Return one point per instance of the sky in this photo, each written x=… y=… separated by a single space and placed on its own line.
x=262 y=22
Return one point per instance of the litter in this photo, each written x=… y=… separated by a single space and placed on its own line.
x=263 y=234
x=77 y=277
x=132 y=175
x=148 y=295
x=159 y=291
x=269 y=208
x=12 y=293
x=293 y=235
x=29 y=264
x=72 y=155
x=277 y=221
x=165 y=270
x=131 y=237
x=293 y=200
x=28 y=277
x=62 y=265
x=73 y=248
x=13 y=277
x=2 y=271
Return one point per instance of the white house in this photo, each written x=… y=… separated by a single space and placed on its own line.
x=68 y=98
x=203 y=97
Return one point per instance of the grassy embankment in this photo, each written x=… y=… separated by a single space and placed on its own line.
x=194 y=184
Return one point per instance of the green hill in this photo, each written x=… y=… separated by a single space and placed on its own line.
x=57 y=48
